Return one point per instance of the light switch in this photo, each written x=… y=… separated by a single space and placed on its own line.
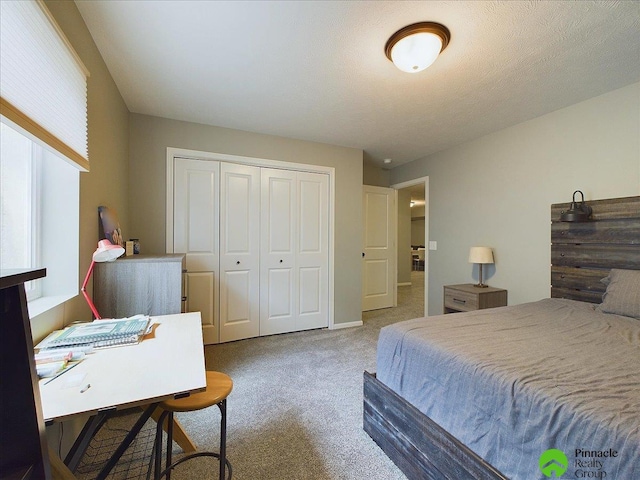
x=433 y=245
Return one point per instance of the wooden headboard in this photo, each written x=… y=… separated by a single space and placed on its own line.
x=583 y=253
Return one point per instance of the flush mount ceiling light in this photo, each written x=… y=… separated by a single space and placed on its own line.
x=415 y=47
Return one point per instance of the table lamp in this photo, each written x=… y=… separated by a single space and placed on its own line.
x=480 y=255
x=106 y=252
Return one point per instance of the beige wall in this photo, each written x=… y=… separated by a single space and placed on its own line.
x=149 y=139
x=497 y=190
x=374 y=175
x=404 y=236
x=107 y=182
x=417 y=232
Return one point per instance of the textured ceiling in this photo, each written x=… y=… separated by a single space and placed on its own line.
x=317 y=71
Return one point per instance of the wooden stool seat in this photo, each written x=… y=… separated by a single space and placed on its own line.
x=219 y=387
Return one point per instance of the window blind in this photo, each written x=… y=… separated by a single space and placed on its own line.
x=43 y=84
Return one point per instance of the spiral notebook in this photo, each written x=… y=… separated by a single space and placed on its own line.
x=99 y=334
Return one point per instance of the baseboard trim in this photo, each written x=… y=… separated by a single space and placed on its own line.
x=404 y=284
x=336 y=326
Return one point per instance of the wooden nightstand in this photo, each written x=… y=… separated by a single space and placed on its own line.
x=466 y=297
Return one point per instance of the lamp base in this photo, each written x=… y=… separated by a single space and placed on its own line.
x=480 y=285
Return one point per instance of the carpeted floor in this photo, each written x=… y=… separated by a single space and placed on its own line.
x=295 y=411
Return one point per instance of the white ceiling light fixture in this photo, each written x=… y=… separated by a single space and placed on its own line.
x=387 y=161
x=415 y=47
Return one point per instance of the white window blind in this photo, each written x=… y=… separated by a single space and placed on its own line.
x=43 y=83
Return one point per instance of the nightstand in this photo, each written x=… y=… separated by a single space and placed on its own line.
x=466 y=297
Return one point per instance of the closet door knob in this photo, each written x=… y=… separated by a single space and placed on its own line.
x=238 y=262
x=280 y=261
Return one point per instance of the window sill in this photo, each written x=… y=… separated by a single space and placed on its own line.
x=43 y=304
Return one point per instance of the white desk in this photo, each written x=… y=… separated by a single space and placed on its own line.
x=167 y=363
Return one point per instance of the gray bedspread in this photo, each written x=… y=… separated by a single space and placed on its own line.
x=513 y=382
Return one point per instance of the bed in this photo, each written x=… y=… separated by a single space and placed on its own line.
x=483 y=394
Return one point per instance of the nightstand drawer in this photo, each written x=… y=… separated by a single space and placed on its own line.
x=459 y=300
x=467 y=298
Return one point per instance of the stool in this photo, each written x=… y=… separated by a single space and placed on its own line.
x=218 y=388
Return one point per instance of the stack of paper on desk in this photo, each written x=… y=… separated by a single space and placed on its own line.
x=98 y=334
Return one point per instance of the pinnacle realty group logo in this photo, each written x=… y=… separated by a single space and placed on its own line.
x=553 y=463
x=587 y=463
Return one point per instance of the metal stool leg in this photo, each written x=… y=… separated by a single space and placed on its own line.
x=225 y=466
x=169 y=444
x=223 y=437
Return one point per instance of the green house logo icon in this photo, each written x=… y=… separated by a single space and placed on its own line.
x=553 y=463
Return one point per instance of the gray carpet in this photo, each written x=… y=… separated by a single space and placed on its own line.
x=295 y=411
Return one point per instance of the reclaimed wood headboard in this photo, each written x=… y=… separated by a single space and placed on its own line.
x=583 y=253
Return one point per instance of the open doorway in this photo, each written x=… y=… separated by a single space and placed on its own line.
x=413 y=245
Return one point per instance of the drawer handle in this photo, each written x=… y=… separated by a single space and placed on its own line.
x=457 y=300
x=238 y=262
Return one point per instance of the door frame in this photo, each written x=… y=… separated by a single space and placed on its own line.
x=411 y=183
x=173 y=152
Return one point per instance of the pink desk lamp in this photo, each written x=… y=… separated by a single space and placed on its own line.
x=106 y=252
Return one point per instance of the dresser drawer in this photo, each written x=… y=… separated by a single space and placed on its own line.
x=459 y=300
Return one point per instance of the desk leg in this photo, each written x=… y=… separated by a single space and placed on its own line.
x=82 y=442
x=179 y=435
x=126 y=442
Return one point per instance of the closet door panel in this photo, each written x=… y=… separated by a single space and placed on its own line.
x=239 y=251
x=235 y=290
x=277 y=253
x=312 y=254
x=196 y=233
x=195 y=230
x=201 y=293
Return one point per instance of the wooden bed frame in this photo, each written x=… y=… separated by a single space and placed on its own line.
x=581 y=255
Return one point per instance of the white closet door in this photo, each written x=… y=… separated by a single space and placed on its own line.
x=312 y=254
x=278 y=276
x=195 y=233
x=239 y=252
x=294 y=261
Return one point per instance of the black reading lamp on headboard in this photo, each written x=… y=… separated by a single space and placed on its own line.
x=578 y=212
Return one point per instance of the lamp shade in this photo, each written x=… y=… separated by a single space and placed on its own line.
x=416 y=52
x=415 y=47
x=578 y=212
x=480 y=255
x=107 y=252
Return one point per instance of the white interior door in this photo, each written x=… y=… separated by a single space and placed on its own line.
x=278 y=274
x=195 y=233
x=294 y=284
x=312 y=250
x=239 y=251
x=379 y=249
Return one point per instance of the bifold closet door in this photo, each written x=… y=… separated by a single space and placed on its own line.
x=278 y=276
x=294 y=251
x=239 y=252
x=195 y=233
x=313 y=251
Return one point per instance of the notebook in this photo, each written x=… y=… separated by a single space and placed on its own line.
x=99 y=333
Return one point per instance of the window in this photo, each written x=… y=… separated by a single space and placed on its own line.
x=39 y=214
x=43 y=108
x=19 y=208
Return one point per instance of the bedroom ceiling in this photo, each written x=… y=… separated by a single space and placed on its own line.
x=317 y=70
